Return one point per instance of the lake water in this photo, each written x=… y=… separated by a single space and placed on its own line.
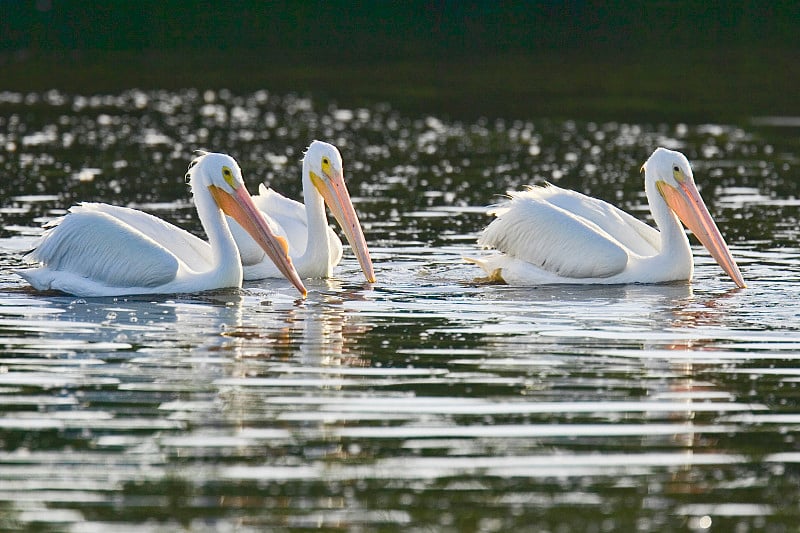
x=424 y=402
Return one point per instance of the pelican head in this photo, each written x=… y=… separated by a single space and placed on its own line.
x=322 y=165
x=672 y=175
x=222 y=176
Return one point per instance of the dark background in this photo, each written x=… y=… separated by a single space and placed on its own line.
x=680 y=60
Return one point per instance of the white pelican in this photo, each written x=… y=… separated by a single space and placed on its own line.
x=313 y=245
x=547 y=235
x=105 y=250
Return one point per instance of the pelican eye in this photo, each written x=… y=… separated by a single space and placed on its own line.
x=326 y=165
x=678 y=174
x=227 y=175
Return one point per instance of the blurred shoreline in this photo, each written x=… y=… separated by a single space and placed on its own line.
x=677 y=61
x=692 y=86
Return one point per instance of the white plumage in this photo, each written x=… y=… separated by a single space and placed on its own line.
x=104 y=250
x=288 y=219
x=313 y=246
x=546 y=235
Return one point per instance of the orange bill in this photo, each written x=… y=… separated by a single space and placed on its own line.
x=690 y=208
x=242 y=209
x=336 y=196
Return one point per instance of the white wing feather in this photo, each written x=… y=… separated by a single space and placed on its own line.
x=530 y=228
x=628 y=230
x=193 y=251
x=288 y=219
x=98 y=246
x=287 y=214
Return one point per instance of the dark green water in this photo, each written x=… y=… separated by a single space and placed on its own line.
x=426 y=401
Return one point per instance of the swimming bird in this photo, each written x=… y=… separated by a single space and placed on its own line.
x=313 y=246
x=549 y=235
x=99 y=249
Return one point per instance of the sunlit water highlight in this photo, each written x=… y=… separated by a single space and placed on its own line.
x=427 y=401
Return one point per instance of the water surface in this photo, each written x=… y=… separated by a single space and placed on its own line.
x=427 y=401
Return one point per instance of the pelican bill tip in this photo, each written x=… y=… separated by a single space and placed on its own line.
x=300 y=287
x=737 y=278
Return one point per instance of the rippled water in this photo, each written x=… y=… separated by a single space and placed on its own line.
x=427 y=401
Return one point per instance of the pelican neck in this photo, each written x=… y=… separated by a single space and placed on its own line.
x=317 y=243
x=673 y=237
x=220 y=238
